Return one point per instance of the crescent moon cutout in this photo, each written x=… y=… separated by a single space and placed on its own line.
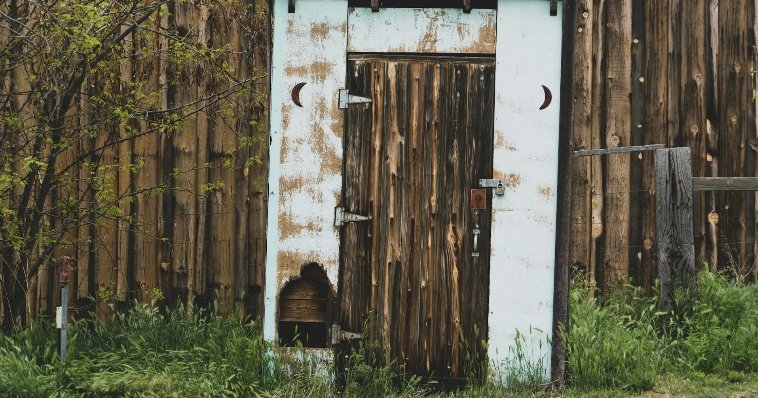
x=296 y=94
x=548 y=98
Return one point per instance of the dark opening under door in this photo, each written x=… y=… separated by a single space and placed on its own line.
x=411 y=158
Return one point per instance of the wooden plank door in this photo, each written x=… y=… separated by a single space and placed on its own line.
x=411 y=158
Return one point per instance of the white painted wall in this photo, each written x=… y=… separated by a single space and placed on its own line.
x=526 y=157
x=305 y=178
x=421 y=30
x=311 y=46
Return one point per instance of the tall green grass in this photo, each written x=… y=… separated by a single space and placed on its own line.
x=626 y=342
x=618 y=342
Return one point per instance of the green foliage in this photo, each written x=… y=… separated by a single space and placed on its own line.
x=524 y=371
x=620 y=343
x=607 y=349
x=145 y=353
x=723 y=327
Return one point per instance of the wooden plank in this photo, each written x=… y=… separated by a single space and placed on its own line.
x=185 y=157
x=147 y=232
x=581 y=184
x=617 y=108
x=616 y=150
x=725 y=183
x=636 y=177
x=735 y=93
x=563 y=212
x=676 y=249
x=124 y=187
x=691 y=104
x=712 y=132
x=655 y=80
x=252 y=176
x=597 y=167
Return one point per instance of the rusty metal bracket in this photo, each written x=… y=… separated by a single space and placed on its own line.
x=341 y=335
x=342 y=217
x=291 y=6
x=553 y=7
x=345 y=99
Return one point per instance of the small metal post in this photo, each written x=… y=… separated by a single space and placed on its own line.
x=63 y=313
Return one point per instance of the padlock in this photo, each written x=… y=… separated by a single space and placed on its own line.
x=500 y=189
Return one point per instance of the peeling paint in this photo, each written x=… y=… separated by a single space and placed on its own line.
x=512 y=180
x=422 y=30
x=306 y=143
x=528 y=56
x=546 y=191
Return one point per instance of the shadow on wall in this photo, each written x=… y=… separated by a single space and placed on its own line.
x=305 y=306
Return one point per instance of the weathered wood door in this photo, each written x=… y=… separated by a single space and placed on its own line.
x=411 y=158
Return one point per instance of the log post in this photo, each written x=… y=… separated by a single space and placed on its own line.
x=676 y=243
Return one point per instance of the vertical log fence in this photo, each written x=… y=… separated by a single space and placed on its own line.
x=675 y=190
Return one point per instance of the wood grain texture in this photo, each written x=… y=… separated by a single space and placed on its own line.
x=688 y=87
x=411 y=157
x=735 y=100
x=181 y=240
x=581 y=198
x=617 y=132
x=725 y=183
x=676 y=249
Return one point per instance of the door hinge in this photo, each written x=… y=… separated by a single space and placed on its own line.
x=339 y=335
x=342 y=217
x=345 y=99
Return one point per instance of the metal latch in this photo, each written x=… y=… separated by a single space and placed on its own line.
x=345 y=99
x=342 y=217
x=342 y=335
x=493 y=183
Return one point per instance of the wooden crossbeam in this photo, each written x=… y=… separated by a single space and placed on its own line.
x=725 y=183
x=621 y=149
x=466 y=6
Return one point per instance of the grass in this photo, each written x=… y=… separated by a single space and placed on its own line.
x=620 y=346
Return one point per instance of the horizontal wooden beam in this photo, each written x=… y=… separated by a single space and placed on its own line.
x=725 y=183
x=621 y=149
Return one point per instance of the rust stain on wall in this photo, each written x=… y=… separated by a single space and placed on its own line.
x=331 y=162
x=546 y=192
x=485 y=40
x=512 y=180
x=320 y=71
x=286 y=109
x=290 y=263
x=289 y=227
x=292 y=70
x=502 y=143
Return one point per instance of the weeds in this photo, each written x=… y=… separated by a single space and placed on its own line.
x=619 y=342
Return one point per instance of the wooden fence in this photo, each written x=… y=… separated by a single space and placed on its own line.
x=672 y=72
x=190 y=241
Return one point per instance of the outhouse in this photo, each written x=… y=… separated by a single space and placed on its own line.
x=413 y=176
